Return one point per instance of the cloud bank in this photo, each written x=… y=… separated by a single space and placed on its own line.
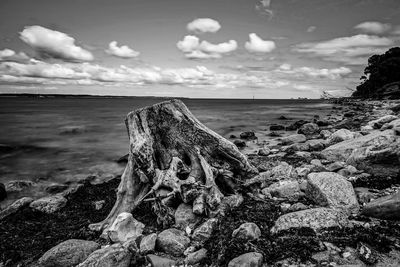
x=121 y=51
x=373 y=27
x=353 y=50
x=194 y=49
x=54 y=44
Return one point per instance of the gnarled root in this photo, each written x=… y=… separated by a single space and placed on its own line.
x=170 y=150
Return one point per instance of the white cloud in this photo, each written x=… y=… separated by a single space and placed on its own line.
x=6 y=53
x=258 y=45
x=311 y=29
x=353 y=50
x=203 y=25
x=54 y=43
x=11 y=55
x=121 y=51
x=221 y=48
x=373 y=27
x=194 y=49
x=188 y=44
x=332 y=74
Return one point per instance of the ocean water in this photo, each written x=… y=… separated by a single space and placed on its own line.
x=62 y=140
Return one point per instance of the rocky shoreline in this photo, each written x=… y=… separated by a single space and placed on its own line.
x=327 y=194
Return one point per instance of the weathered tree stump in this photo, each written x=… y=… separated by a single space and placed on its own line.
x=171 y=151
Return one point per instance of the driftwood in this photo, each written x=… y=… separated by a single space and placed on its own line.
x=173 y=155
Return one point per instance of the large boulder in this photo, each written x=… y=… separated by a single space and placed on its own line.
x=377 y=153
x=331 y=190
x=294 y=138
x=248 y=135
x=340 y=136
x=196 y=257
x=247 y=231
x=157 y=261
x=173 y=241
x=251 y=259
x=110 y=256
x=18 y=185
x=15 y=206
x=387 y=208
x=378 y=123
x=283 y=171
x=68 y=253
x=309 y=129
x=316 y=219
x=288 y=189
x=205 y=230
x=148 y=243
x=49 y=204
x=125 y=227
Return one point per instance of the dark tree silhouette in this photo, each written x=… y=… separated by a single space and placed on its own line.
x=381 y=70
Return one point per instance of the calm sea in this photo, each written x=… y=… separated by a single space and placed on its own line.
x=61 y=140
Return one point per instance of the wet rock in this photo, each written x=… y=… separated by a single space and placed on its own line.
x=110 y=256
x=157 y=261
x=56 y=188
x=105 y=172
x=276 y=127
x=49 y=204
x=173 y=241
x=322 y=258
x=184 y=217
x=148 y=243
x=333 y=167
x=297 y=207
x=387 y=208
x=341 y=135
x=205 y=230
x=316 y=144
x=251 y=259
x=68 y=253
x=125 y=227
x=18 y=185
x=264 y=151
x=196 y=257
x=15 y=206
x=378 y=123
x=3 y=192
x=331 y=190
x=232 y=136
x=283 y=171
x=294 y=138
x=309 y=129
x=288 y=189
x=247 y=231
x=323 y=123
x=376 y=153
x=282 y=118
x=316 y=219
x=296 y=125
x=248 y=135
x=240 y=143
x=296 y=147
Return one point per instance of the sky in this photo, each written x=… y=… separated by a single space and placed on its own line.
x=187 y=48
